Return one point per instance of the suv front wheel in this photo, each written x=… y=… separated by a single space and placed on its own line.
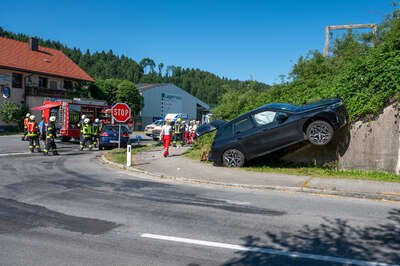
x=233 y=158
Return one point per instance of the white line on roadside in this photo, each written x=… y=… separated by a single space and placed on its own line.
x=291 y=254
x=12 y=154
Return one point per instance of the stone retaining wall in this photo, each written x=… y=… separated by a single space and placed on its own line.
x=366 y=145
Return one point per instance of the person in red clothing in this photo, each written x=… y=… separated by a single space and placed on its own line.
x=165 y=135
x=187 y=133
x=26 y=120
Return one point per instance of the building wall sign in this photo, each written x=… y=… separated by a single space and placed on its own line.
x=6 y=92
x=171 y=103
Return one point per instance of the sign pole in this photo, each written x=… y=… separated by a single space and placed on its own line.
x=119 y=136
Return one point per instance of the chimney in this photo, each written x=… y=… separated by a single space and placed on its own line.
x=33 y=43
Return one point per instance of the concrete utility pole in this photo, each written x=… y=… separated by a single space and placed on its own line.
x=343 y=27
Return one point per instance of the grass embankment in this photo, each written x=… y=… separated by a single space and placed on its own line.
x=327 y=172
x=120 y=156
x=204 y=143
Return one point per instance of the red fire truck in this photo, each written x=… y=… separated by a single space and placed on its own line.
x=68 y=114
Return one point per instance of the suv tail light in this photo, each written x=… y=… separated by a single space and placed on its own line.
x=104 y=134
x=125 y=135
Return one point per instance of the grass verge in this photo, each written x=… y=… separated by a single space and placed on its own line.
x=120 y=156
x=328 y=173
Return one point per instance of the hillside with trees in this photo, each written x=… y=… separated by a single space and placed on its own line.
x=105 y=65
x=366 y=77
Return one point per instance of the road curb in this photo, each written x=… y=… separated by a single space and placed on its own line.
x=310 y=190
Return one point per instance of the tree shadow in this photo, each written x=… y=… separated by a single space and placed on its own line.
x=334 y=237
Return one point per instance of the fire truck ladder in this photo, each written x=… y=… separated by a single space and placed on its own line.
x=61 y=115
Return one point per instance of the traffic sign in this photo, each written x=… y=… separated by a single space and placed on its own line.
x=121 y=112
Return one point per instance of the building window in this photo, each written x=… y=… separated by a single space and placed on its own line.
x=53 y=84
x=67 y=84
x=17 y=80
x=42 y=82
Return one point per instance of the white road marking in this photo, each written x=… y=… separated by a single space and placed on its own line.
x=291 y=254
x=12 y=154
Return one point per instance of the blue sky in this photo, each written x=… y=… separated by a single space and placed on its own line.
x=257 y=40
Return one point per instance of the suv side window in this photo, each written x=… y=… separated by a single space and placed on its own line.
x=264 y=118
x=225 y=131
x=243 y=125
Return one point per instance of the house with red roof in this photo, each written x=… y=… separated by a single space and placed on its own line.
x=30 y=73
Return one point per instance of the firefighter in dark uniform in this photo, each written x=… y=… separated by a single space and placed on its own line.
x=86 y=134
x=33 y=134
x=26 y=120
x=97 y=128
x=51 y=134
x=178 y=130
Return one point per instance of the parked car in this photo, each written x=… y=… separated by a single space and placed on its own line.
x=275 y=126
x=109 y=136
x=156 y=132
x=148 y=130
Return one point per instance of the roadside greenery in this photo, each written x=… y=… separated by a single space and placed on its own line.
x=327 y=172
x=12 y=113
x=365 y=77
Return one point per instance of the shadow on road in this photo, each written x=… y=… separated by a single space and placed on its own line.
x=334 y=237
x=16 y=216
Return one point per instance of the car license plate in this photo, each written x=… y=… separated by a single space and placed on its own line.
x=113 y=141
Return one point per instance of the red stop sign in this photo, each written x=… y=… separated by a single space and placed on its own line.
x=121 y=112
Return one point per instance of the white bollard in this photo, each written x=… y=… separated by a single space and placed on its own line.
x=128 y=155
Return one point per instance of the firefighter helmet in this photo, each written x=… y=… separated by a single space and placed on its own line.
x=86 y=120
x=28 y=115
x=97 y=120
x=52 y=118
x=178 y=120
x=83 y=117
x=32 y=117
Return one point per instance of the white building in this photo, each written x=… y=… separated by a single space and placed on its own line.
x=163 y=98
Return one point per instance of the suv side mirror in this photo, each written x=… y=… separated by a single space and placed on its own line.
x=282 y=117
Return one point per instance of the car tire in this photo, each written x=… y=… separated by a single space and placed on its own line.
x=233 y=158
x=319 y=133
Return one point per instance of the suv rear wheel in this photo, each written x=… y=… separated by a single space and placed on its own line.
x=233 y=158
x=319 y=133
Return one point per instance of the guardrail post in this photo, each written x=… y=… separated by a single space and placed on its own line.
x=128 y=155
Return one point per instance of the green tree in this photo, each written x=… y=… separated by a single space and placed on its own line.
x=129 y=94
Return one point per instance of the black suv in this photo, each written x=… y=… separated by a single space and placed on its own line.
x=275 y=126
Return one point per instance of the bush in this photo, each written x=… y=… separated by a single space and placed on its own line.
x=13 y=113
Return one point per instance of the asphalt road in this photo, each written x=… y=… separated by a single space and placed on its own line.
x=71 y=210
